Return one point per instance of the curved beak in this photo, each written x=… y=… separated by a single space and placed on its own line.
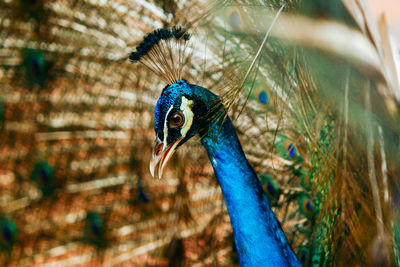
x=161 y=155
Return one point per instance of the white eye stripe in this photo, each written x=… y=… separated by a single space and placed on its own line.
x=186 y=108
x=166 y=129
x=188 y=117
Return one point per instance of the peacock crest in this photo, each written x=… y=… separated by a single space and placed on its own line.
x=164 y=53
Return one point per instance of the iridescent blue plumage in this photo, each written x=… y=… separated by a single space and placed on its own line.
x=259 y=238
x=184 y=110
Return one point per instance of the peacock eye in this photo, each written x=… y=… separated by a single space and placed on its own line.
x=177 y=119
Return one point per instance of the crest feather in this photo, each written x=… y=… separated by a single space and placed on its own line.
x=163 y=53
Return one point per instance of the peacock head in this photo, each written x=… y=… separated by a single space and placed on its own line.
x=182 y=111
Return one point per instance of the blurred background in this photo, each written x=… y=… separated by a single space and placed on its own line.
x=390 y=8
x=76 y=133
x=76 y=137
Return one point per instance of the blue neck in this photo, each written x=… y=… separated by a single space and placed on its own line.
x=259 y=238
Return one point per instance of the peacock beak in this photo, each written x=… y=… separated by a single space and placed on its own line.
x=161 y=155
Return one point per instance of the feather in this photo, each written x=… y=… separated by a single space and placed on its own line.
x=313 y=92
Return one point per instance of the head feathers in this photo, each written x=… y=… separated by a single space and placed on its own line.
x=162 y=52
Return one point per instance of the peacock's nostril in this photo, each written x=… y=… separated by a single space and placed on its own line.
x=158 y=149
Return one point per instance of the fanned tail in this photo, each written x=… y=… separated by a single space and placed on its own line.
x=321 y=117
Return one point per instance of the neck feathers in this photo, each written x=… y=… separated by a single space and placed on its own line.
x=259 y=238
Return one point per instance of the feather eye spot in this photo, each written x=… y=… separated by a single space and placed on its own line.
x=303 y=255
x=35 y=68
x=43 y=176
x=262 y=95
x=290 y=149
x=306 y=180
x=8 y=231
x=142 y=196
x=271 y=189
x=234 y=20
x=307 y=206
x=7 y=235
x=33 y=4
x=95 y=228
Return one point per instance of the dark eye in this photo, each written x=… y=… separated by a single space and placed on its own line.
x=177 y=119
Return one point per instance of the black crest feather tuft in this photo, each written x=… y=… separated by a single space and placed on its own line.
x=154 y=38
x=163 y=53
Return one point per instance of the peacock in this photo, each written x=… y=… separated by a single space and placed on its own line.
x=295 y=101
x=184 y=110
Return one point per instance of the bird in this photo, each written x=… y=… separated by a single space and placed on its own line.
x=184 y=110
x=332 y=221
x=309 y=86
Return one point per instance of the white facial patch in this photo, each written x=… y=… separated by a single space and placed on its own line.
x=186 y=108
x=187 y=112
x=166 y=129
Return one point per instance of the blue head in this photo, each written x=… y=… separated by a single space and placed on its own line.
x=182 y=111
